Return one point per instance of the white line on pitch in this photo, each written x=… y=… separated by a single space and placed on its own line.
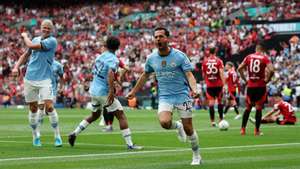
x=149 y=131
x=86 y=144
x=146 y=152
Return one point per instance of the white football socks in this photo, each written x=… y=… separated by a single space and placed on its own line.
x=53 y=118
x=82 y=125
x=126 y=133
x=34 y=124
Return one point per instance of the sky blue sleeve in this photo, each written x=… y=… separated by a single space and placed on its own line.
x=148 y=67
x=186 y=64
x=49 y=43
x=113 y=65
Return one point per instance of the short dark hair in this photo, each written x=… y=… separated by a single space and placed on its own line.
x=277 y=94
x=261 y=46
x=112 y=43
x=230 y=64
x=167 y=33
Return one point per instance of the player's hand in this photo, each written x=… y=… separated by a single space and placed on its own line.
x=15 y=72
x=24 y=34
x=130 y=95
x=195 y=95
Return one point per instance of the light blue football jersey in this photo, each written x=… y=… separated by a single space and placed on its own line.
x=173 y=87
x=103 y=63
x=58 y=72
x=40 y=63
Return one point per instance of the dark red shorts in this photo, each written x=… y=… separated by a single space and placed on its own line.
x=256 y=96
x=213 y=93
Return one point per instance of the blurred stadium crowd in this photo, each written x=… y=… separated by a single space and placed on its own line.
x=195 y=26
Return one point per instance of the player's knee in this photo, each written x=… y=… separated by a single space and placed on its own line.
x=188 y=130
x=33 y=108
x=166 y=124
x=96 y=115
x=120 y=115
x=49 y=108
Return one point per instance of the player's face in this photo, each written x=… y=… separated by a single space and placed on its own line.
x=46 y=30
x=227 y=67
x=160 y=39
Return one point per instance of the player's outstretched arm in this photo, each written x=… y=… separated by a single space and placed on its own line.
x=29 y=43
x=241 y=69
x=138 y=85
x=122 y=74
x=269 y=114
x=21 y=61
x=192 y=83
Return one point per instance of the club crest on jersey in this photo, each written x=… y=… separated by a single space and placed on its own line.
x=163 y=63
x=173 y=64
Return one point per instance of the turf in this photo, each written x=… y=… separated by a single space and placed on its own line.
x=279 y=148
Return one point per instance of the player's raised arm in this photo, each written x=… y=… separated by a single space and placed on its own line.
x=241 y=70
x=21 y=61
x=138 y=85
x=29 y=43
x=44 y=44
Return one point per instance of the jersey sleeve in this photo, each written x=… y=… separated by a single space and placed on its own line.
x=49 y=43
x=267 y=60
x=220 y=63
x=186 y=64
x=113 y=65
x=148 y=67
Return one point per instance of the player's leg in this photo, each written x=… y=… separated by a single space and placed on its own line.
x=41 y=113
x=47 y=96
x=227 y=106
x=246 y=112
x=108 y=118
x=219 y=92
x=234 y=105
x=31 y=94
x=97 y=105
x=117 y=109
x=261 y=96
x=211 y=102
x=166 y=122
x=34 y=123
x=192 y=136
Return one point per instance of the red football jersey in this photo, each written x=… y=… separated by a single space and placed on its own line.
x=232 y=80
x=286 y=110
x=211 y=70
x=256 y=65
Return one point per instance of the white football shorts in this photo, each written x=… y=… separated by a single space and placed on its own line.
x=37 y=90
x=184 y=109
x=98 y=102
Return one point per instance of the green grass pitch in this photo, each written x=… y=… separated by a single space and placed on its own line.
x=279 y=148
